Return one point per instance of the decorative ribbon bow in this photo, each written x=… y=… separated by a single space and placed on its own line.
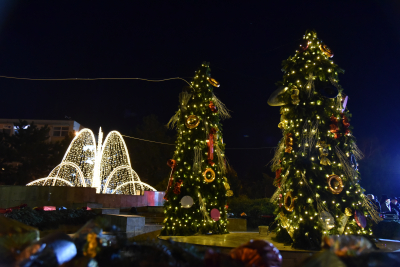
x=346 y=124
x=210 y=143
x=171 y=163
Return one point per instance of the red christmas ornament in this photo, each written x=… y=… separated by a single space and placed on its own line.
x=210 y=143
x=171 y=163
x=334 y=119
x=212 y=107
x=303 y=45
x=277 y=181
x=334 y=127
x=177 y=188
x=345 y=121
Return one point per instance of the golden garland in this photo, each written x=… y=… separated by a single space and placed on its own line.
x=337 y=189
x=348 y=212
x=192 y=121
x=209 y=170
x=290 y=207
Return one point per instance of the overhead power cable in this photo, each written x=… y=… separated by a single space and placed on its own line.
x=169 y=144
x=90 y=79
x=148 y=140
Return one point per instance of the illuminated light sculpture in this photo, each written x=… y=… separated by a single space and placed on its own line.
x=106 y=167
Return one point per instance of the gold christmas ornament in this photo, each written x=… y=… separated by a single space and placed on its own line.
x=289 y=201
x=342 y=223
x=212 y=178
x=289 y=143
x=348 y=212
x=213 y=82
x=282 y=124
x=227 y=187
x=192 y=121
x=286 y=224
x=323 y=153
x=229 y=193
x=295 y=95
x=326 y=50
x=335 y=184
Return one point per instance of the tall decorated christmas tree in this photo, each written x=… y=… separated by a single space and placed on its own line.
x=316 y=161
x=197 y=191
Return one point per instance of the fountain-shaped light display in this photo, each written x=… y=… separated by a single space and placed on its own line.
x=106 y=167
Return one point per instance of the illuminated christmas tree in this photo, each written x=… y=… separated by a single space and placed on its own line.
x=316 y=160
x=197 y=190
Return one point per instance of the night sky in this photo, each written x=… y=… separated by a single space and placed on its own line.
x=244 y=42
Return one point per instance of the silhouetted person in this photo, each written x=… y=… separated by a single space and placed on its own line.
x=394 y=205
x=385 y=208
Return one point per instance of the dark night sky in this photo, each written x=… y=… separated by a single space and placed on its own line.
x=244 y=42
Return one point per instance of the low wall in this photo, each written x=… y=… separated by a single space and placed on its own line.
x=35 y=196
x=150 y=198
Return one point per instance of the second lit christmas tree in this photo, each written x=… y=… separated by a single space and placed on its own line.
x=316 y=160
x=198 y=189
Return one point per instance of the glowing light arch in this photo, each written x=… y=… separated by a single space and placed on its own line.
x=133 y=182
x=134 y=175
x=114 y=154
x=96 y=166
x=62 y=164
x=51 y=178
x=80 y=133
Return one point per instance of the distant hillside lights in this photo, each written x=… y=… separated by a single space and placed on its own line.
x=106 y=167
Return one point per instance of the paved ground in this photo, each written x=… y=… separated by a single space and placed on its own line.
x=235 y=239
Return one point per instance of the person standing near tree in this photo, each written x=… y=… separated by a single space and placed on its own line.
x=394 y=205
x=386 y=206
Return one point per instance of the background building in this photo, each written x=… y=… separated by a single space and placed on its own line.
x=58 y=128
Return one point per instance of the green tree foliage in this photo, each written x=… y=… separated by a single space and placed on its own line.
x=148 y=159
x=28 y=155
x=198 y=125
x=317 y=143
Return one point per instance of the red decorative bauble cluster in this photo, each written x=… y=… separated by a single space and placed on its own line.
x=212 y=107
